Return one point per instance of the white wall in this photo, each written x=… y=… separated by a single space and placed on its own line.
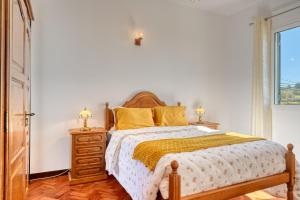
x=83 y=55
x=239 y=71
x=286 y=126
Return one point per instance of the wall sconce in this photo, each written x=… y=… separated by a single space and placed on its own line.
x=138 y=38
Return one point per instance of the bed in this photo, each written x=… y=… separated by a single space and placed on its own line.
x=215 y=173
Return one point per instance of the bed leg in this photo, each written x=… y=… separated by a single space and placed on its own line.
x=174 y=183
x=290 y=167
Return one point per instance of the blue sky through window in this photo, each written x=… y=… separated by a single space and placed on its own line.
x=290 y=56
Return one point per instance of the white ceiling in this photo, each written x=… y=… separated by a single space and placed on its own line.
x=230 y=7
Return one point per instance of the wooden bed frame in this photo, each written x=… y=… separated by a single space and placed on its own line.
x=150 y=100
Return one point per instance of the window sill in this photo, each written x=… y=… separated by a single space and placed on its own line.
x=295 y=108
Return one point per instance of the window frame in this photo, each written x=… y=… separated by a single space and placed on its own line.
x=276 y=66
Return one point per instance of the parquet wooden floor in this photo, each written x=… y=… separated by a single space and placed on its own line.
x=59 y=189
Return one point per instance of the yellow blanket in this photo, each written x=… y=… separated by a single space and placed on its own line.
x=150 y=152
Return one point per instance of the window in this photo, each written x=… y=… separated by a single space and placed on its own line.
x=287 y=62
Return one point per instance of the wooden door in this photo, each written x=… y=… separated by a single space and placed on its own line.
x=2 y=95
x=18 y=84
x=27 y=100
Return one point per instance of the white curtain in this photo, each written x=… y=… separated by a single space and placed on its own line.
x=262 y=79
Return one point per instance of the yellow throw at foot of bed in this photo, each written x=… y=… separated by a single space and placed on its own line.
x=150 y=152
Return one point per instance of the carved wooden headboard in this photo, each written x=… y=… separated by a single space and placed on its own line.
x=140 y=100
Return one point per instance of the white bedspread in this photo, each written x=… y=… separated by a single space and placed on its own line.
x=200 y=170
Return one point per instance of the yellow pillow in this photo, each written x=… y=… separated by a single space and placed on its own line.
x=132 y=118
x=170 y=116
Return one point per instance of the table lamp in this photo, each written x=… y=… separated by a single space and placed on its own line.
x=200 y=111
x=85 y=114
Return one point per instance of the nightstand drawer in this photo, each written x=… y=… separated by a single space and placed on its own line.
x=82 y=151
x=89 y=139
x=87 y=161
x=89 y=171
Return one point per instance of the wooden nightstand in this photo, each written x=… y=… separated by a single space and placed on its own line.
x=212 y=125
x=88 y=150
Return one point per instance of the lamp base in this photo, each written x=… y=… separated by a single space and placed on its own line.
x=85 y=129
x=200 y=119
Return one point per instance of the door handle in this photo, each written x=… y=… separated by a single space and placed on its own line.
x=29 y=114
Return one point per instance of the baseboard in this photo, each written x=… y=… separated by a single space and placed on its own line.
x=48 y=174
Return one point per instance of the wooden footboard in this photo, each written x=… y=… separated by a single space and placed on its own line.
x=236 y=190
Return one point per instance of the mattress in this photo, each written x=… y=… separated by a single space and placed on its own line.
x=200 y=170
